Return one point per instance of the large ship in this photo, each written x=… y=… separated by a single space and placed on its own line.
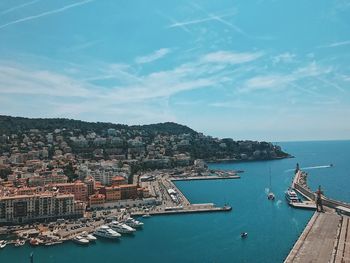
x=105 y=231
x=121 y=228
x=292 y=196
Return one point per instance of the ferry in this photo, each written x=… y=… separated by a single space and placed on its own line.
x=133 y=222
x=105 y=231
x=121 y=228
x=291 y=196
x=80 y=240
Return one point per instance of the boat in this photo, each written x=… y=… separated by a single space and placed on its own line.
x=121 y=228
x=270 y=195
x=244 y=234
x=19 y=243
x=80 y=240
x=3 y=243
x=88 y=236
x=106 y=232
x=133 y=222
x=53 y=243
x=292 y=196
x=34 y=242
x=146 y=215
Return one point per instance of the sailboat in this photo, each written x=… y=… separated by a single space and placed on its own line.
x=270 y=195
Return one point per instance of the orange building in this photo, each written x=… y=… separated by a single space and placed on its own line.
x=78 y=189
x=96 y=199
x=113 y=193
x=118 y=180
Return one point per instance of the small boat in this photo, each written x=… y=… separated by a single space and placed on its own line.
x=331 y=165
x=146 y=215
x=19 y=243
x=270 y=195
x=34 y=242
x=80 y=240
x=53 y=243
x=3 y=243
x=244 y=234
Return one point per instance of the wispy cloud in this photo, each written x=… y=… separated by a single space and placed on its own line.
x=47 y=13
x=18 y=7
x=200 y=21
x=284 y=57
x=231 y=57
x=336 y=44
x=158 y=54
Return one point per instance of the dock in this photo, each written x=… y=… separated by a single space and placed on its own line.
x=326 y=238
x=207 y=177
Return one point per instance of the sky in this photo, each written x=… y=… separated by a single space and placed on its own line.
x=261 y=70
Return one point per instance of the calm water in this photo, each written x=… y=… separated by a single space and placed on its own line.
x=273 y=227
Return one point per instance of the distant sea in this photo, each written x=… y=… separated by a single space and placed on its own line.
x=273 y=227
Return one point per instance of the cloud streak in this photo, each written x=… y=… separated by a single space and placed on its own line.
x=336 y=44
x=158 y=54
x=47 y=13
x=18 y=7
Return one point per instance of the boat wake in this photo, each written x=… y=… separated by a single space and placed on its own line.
x=316 y=167
x=310 y=168
x=267 y=190
x=278 y=203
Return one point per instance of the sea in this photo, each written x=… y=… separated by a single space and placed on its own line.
x=272 y=226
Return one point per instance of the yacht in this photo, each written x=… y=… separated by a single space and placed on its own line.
x=88 y=236
x=291 y=196
x=3 y=243
x=121 y=228
x=270 y=195
x=133 y=223
x=80 y=240
x=105 y=231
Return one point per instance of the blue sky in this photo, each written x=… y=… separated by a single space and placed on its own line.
x=265 y=69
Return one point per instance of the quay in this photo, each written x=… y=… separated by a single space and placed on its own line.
x=326 y=238
x=206 y=177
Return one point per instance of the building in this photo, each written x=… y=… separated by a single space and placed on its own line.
x=128 y=191
x=118 y=180
x=113 y=193
x=78 y=189
x=44 y=206
x=90 y=183
x=44 y=180
x=96 y=200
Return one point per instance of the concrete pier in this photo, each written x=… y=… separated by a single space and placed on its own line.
x=209 y=177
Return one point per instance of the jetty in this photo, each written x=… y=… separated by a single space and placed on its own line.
x=326 y=238
x=205 y=177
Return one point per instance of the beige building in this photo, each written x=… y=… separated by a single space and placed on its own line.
x=38 y=207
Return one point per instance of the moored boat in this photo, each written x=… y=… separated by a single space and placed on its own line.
x=291 y=196
x=133 y=222
x=19 y=243
x=3 y=243
x=80 y=240
x=121 y=228
x=106 y=232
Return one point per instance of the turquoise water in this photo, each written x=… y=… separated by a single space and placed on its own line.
x=273 y=227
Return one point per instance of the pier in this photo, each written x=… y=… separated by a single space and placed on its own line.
x=326 y=237
x=206 y=177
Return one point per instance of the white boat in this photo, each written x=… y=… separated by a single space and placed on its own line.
x=292 y=196
x=146 y=215
x=80 y=240
x=19 y=243
x=121 y=228
x=89 y=237
x=270 y=195
x=133 y=222
x=3 y=243
x=105 y=231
